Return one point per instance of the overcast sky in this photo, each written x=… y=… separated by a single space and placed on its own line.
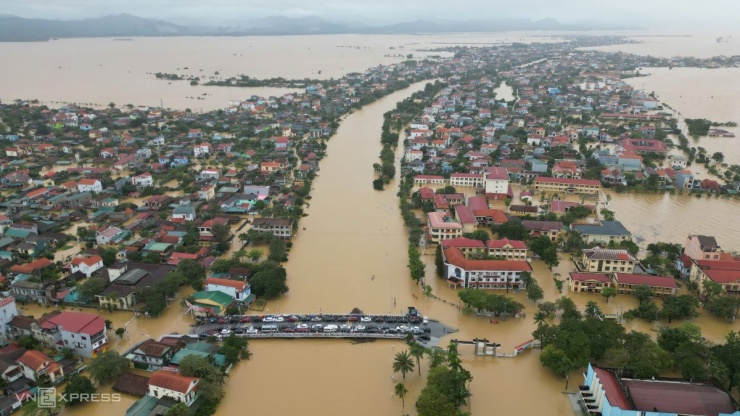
x=679 y=14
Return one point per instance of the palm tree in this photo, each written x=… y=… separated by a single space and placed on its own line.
x=540 y=317
x=401 y=392
x=403 y=363
x=417 y=351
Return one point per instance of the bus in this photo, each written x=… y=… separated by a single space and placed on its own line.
x=269 y=328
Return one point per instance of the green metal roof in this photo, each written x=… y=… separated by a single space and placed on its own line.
x=219 y=298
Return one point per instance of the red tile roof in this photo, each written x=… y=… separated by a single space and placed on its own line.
x=644 y=279
x=516 y=244
x=498 y=216
x=584 y=277
x=171 y=380
x=78 y=322
x=611 y=387
x=568 y=181
x=455 y=257
x=236 y=284
x=463 y=242
x=34 y=359
x=465 y=215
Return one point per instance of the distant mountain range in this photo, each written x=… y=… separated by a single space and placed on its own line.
x=17 y=29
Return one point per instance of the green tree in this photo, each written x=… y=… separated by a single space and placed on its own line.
x=109 y=256
x=269 y=282
x=67 y=353
x=92 y=286
x=402 y=363
x=29 y=342
x=680 y=307
x=211 y=384
x=643 y=293
x=401 y=391
x=727 y=354
x=254 y=255
x=439 y=261
x=535 y=292
x=417 y=351
x=278 y=250
x=220 y=232
x=718 y=157
x=107 y=366
x=608 y=292
x=179 y=409
x=234 y=349
x=556 y=360
x=76 y=386
x=120 y=332
x=31 y=408
x=593 y=310
x=513 y=230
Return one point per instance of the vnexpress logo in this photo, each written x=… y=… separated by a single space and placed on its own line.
x=46 y=397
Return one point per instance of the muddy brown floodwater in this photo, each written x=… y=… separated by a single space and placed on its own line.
x=350 y=251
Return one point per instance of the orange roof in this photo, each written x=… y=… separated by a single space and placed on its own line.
x=236 y=284
x=34 y=359
x=498 y=216
x=87 y=181
x=172 y=381
x=90 y=261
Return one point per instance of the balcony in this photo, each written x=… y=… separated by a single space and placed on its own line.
x=584 y=388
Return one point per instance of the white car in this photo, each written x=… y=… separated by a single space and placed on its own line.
x=225 y=331
x=359 y=328
x=268 y=319
x=366 y=319
x=278 y=319
x=252 y=330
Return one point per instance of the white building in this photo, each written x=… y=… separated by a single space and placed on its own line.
x=279 y=227
x=8 y=310
x=89 y=185
x=86 y=265
x=497 y=181
x=165 y=383
x=83 y=332
x=483 y=274
x=143 y=180
x=237 y=289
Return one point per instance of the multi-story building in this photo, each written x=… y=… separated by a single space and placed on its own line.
x=497 y=181
x=151 y=355
x=86 y=265
x=509 y=249
x=442 y=227
x=279 y=227
x=483 y=274
x=597 y=260
x=550 y=229
x=702 y=247
x=659 y=285
x=724 y=273
x=588 y=282
x=563 y=186
x=237 y=289
x=604 y=392
x=89 y=185
x=603 y=233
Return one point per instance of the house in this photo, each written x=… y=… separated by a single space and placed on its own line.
x=205 y=228
x=237 y=289
x=34 y=364
x=210 y=302
x=83 y=332
x=8 y=311
x=129 y=161
x=603 y=232
x=279 y=227
x=442 y=227
x=143 y=180
x=483 y=274
x=151 y=355
x=202 y=150
x=606 y=392
x=209 y=173
x=551 y=229
x=30 y=291
x=468 y=246
x=86 y=265
x=89 y=185
x=207 y=193
x=523 y=210
x=596 y=260
x=702 y=247
x=109 y=235
x=184 y=212
x=166 y=383
x=466 y=217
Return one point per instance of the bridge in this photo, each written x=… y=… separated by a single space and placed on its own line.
x=327 y=326
x=482 y=345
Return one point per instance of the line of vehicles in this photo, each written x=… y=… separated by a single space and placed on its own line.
x=290 y=318
x=423 y=332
